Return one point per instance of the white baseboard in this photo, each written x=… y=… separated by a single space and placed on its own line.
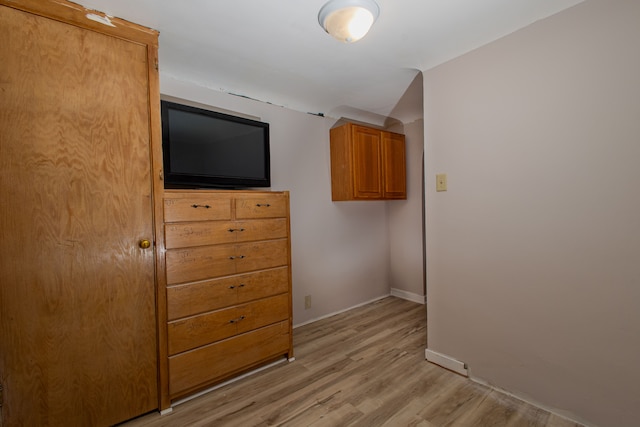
x=394 y=293
x=446 y=362
x=569 y=417
x=339 y=311
x=410 y=296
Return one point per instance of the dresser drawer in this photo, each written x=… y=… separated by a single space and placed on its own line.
x=208 y=295
x=261 y=255
x=197 y=207
x=261 y=206
x=198 y=297
x=263 y=312
x=204 y=262
x=202 y=366
x=202 y=329
x=185 y=234
x=263 y=284
x=206 y=328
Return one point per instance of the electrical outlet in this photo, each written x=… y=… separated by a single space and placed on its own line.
x=307 y=302
x=441 y=182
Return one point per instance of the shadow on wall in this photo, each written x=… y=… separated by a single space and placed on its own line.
x=408 y=109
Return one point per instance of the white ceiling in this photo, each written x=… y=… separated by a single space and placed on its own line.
x=276 y=52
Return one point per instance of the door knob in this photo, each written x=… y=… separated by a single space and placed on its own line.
x=144 y=244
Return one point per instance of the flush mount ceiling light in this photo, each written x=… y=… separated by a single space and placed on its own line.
x=348 y=20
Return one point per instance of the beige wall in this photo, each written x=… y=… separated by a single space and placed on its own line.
x=405 y=223
x=340 y=250
x=533 y=254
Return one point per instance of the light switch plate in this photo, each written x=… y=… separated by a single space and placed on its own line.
x=441 y=182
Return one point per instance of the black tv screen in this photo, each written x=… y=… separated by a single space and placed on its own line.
x=207 y=149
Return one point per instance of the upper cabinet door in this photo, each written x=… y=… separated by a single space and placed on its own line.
x=393 y=159
x=77 y=301
x=367 y=161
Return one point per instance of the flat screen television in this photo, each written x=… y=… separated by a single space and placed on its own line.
x=208 y=149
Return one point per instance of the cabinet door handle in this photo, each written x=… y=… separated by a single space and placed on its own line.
x=231 y=230
x=236 y=320
x=237 y=257
x=266 y=205
x=200 y=206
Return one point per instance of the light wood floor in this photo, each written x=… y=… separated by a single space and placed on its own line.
x=364 y=367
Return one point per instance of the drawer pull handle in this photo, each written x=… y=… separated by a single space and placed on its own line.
x=200 y=206
x=237 y=257
x=236 y=320
x=241 y=285
x=231 y=230
x=266 y=205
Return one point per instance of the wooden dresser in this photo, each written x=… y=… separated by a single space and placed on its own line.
x=228 y=293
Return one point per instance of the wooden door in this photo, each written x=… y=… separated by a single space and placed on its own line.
x=77 y=297
x=393 y=159
x=367 y=167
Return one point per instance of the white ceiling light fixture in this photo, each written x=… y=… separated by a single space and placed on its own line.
x=348 y=20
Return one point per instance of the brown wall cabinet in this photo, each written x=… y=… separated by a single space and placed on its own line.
x=367 y=164
x=228 y=293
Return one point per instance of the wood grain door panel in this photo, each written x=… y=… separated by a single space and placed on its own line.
x=77 y=301
x=367 y=171
x=394 y=161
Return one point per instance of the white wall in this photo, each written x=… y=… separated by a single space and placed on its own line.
x=340 y=250
x=533 y=253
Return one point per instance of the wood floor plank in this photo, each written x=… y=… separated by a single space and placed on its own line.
x=362 y=368
x=556 y=421
x=409 y=416
x=494 y=409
